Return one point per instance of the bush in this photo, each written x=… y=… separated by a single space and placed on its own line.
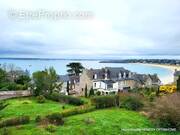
x=5 y=131
x=50 y=128
x=12 y=86
x=91 y=92
x=4 y=89
x=132 y=103
x=66 y=99
x=38 y=118
x=63 y=107
x=104 y=101
x=15 y=121
x=55 y=118
x=40 y=99
x=166 y=111
x=78 y=110
x=98 y=93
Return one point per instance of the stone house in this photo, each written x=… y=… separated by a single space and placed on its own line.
x=69 y=81
x=114 y=79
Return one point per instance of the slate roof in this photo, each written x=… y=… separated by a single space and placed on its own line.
x=112 y=72
x=113 y=75
x=65 y=78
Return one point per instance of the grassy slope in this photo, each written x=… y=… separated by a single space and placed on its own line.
x=106 y=122
x=29 y=106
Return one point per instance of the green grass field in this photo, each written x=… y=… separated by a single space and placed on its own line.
x=29 y=106
x=102 y=122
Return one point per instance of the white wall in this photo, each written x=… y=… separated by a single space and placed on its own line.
x=99 y=85
x=120 y=85
x=115 y=86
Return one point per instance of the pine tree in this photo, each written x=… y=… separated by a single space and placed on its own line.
x=91 y=92
x=86 y=94
x=67 y=89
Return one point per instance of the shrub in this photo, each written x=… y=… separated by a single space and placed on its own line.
x=132 y=103
x=98 y=93
x=38 y=118
x=50 y=128
x=91 y=92
x=40 y=99
x=166 y=111
x=55 y=118
x=66 y=99
x=12 y=86
x=78 y=110
x=5 y=131
x=4 y=89
x=15 y=121
x=63 y=107
x=103 y=101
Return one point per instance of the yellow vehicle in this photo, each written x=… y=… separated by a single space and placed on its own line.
x=168 y=88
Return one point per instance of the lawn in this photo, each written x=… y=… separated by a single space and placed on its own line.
x=100 y=122
x=103 y=122
x=29 y=106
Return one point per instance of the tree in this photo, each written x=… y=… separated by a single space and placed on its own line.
x=178 y=84
x=23 y=79
x=67 y=89
x=45 y=81
x=52 y=79
x=40 y=79
x=86 y=93
x=3 y=75
x=75 y=68
x=91 y=92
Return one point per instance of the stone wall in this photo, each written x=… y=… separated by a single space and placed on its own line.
x=85 y=80
x=11 y=94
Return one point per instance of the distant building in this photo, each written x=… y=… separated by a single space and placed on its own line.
x=176 y=75
x=73 y=84
x=114 y=79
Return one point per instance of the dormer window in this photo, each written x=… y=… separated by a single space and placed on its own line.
x=120 y=76
x=124 y=76
x=129 y=74
x=106 y=75
x=95 y=76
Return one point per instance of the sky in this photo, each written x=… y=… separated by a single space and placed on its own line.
x=111 y=29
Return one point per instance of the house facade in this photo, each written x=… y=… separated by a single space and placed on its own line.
x=113 y=79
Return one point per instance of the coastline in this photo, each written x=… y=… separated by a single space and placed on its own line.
x=167 y=79
x=170 y=67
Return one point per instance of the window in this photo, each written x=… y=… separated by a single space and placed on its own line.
x=95 y=76
x=94 y=84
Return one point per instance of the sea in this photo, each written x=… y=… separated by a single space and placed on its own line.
x=32 y=65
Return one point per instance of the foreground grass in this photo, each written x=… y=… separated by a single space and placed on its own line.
x=29 y=106
x=103 y=122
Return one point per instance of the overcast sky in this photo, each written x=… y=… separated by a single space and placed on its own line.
x=113 y=28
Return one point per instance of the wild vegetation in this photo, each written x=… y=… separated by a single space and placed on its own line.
x=13 y=78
